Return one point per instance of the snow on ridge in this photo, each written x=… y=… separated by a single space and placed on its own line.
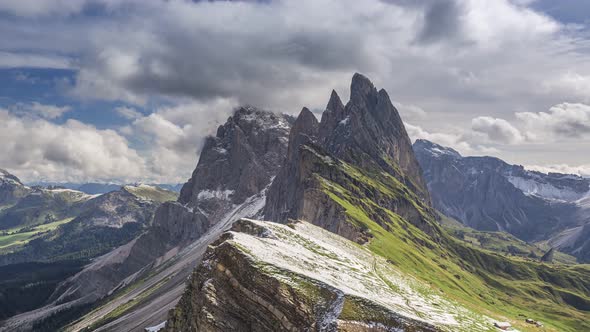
x=326 y=257
x=439 y=151
x=530 y=187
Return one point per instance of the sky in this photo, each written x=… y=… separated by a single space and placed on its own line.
x=127 y=90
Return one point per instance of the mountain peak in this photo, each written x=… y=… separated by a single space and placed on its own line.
x=362 y=89
x=306 y=122
x=422 y=145
x=6 y=175
x=335 y=103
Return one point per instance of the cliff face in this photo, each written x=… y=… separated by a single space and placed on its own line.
x=361 y=148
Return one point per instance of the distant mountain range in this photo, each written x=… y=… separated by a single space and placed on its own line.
x=489 y=194
x=94 y=188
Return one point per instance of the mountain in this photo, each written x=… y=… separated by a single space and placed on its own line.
x=11 y=189
x=147 y=275
x=354 y=148
x=488 y=194
x=55 y=230
x=96 y=188
x=355 y=174
x=353 y=243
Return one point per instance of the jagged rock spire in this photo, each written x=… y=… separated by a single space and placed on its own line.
x=304 y=130
x=362 y=90
x=367 y=133
x=284 y=193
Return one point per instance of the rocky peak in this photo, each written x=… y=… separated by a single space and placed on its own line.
x=362 y=91
x=285 y=192
x=240 y=160
x=370 y=133
x=331 y=117
x=304 y=130
x=367 y=134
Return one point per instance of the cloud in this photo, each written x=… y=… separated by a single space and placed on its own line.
x=171 y=137
x=581 y=170
x=42 y=110
x=442 y=20
x=128 y=113
x=33 y=8
x=19 y=60
x=459 y=59
x=562 y=121
x=456 y=140
x=38 y=149
x=497 y=130
x=410 y=112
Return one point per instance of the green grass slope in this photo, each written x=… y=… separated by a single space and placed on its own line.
x=501 y=242
x=505 y=288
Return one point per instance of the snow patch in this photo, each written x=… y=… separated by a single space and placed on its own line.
x=220 y=194
x=318 y=254
x=220 y=150
x=530 y=187
x=156 y=328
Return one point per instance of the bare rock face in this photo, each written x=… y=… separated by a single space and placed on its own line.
x=366 y=136
x=285 y=195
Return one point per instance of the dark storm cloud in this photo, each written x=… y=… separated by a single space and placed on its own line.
x=442 y=20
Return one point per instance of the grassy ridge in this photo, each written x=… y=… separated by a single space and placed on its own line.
x=502 y=287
